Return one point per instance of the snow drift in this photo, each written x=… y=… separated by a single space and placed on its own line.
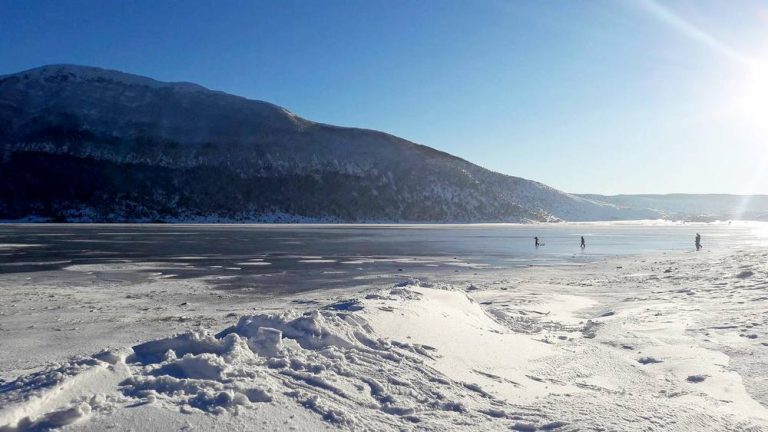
x=328 y=361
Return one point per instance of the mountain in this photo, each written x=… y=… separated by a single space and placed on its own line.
x=82 y=143
x=701 y=207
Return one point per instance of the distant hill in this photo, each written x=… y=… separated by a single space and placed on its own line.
x=87 y=144
x=705 y=207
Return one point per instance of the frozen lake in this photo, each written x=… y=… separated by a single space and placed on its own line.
x=27 y=247
x=315 y=256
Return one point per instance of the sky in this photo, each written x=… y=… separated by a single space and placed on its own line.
x=601 y=96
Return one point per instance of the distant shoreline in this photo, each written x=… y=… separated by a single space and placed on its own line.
x=665 y=222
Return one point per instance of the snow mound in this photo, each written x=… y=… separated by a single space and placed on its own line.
x=329 y=362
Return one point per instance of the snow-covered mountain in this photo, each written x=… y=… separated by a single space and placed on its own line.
x=701 y=207
x=84 y=143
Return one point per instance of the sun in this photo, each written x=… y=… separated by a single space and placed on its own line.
x=748 y=105
x=748 y=112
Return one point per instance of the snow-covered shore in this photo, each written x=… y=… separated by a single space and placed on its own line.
x=672 y=341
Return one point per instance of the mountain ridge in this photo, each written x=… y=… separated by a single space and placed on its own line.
x=86 y=143
x=693 y=207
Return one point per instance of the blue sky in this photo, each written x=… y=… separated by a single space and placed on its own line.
x=612 y=96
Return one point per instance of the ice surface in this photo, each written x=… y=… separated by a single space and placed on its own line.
x=673 y=342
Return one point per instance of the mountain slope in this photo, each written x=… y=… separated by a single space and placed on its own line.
x=83 y=143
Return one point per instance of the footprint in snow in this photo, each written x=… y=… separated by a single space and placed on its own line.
x=528 y=427
x=524 y=427
x=696 y=378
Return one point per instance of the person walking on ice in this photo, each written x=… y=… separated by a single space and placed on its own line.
x=583 y=243
x=536 y=241
x=698 y=241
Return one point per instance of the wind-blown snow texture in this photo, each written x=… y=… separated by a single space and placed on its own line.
x=87 y=144
x=329 y=362
x=671 y=342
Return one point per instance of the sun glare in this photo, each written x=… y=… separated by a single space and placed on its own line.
x=748 y=111
x=742 y=101
x=748 y=107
